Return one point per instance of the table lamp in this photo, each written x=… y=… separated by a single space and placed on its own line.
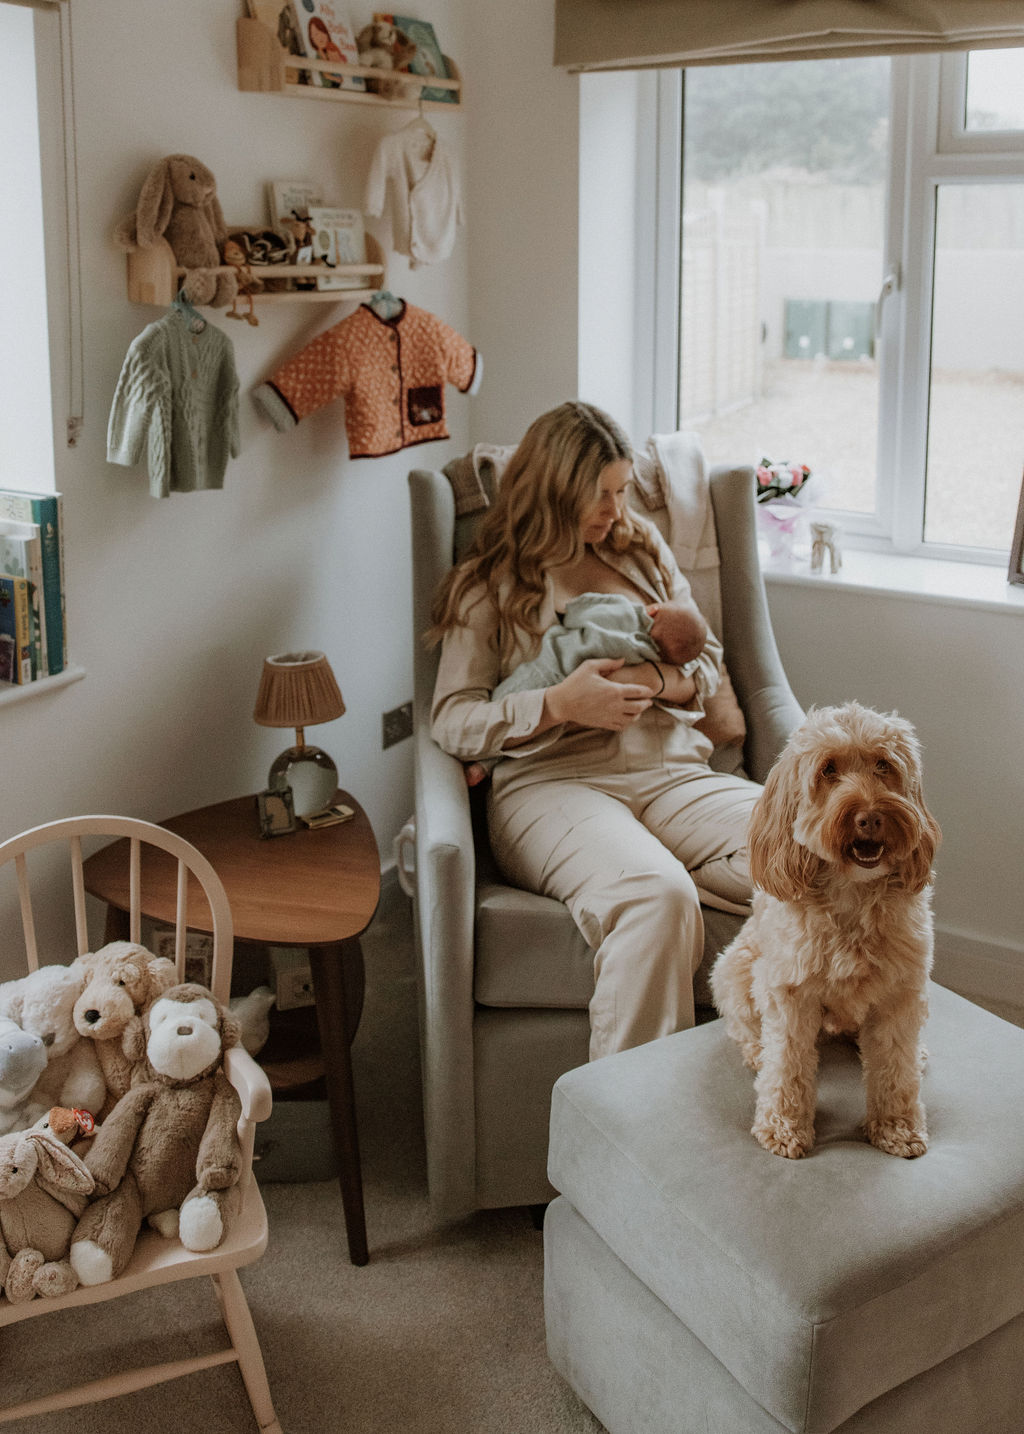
x=298 y=690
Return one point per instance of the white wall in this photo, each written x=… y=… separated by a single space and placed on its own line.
x=173 y=604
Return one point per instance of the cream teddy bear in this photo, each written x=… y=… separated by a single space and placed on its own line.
x=43 y=1003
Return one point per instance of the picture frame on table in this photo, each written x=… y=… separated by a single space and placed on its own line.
x=428 y=59
x=1016 y=571
x=276 y=808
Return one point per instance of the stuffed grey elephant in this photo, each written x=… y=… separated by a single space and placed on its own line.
x=44 y=1187
x=178 y=202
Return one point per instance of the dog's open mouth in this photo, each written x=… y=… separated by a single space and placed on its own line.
x=866 y=853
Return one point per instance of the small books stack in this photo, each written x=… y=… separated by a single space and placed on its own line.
x=319 y=233
x=33 y=626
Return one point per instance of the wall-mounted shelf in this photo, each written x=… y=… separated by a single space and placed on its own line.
x=262 y=63
x=154 y=277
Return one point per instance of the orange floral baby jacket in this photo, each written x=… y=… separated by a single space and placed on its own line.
x=390 y=372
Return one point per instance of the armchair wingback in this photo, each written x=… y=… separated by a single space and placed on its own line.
x=504 y=975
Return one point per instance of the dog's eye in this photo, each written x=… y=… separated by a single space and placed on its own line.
x=882 y=767
x=828 y=770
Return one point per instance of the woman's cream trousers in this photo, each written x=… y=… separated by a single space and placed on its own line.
x=631 y=843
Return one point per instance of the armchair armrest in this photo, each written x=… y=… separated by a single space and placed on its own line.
x=761 y=684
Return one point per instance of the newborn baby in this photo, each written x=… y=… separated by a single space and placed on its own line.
x=604 y=625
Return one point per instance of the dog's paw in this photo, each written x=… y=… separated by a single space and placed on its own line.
x=897 y=1137
x=781 y=1137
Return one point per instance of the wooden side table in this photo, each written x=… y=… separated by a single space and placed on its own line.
x=316 y=889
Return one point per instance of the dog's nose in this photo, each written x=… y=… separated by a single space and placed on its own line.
x=91 y=1016
x=869 y=825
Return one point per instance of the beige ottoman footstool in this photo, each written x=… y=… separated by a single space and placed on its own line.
x=698 y=1285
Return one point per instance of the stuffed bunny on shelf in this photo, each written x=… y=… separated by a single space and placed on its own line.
x=178 y=205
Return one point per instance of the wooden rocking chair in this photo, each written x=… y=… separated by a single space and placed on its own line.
x=157 y=1260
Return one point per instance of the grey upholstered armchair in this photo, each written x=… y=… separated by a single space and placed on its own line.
x=504 y=976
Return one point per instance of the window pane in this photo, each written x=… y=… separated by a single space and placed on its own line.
x=784 y=175
x=976 y=408
x=995 y=90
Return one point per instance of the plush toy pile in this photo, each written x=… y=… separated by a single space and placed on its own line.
x=114 y=1110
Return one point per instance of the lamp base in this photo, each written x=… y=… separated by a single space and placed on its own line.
x=310 y=773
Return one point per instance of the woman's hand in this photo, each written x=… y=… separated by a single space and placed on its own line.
x=593 y=696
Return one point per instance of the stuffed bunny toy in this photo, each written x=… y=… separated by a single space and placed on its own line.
x=44 y=1187
x=178 y=204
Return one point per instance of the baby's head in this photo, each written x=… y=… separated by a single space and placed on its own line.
x=680 y=632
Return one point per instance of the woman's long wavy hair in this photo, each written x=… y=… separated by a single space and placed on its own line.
x=534 y=523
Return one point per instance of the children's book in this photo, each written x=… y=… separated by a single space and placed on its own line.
x=290 y=201
x=428 y=59
x=21 y=556
x=47 y=510
x=327 y=34
x=16 y=663
x=338 y=238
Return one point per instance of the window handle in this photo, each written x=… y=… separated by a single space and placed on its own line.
x=890 y=285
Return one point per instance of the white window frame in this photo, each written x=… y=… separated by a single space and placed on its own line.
x=929 y=146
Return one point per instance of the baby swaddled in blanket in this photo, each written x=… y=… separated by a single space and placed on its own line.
x=603 y=625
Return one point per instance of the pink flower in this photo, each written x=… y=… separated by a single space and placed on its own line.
x=764 y=476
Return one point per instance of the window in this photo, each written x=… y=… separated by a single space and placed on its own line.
x=851 y=288
x=26 y=422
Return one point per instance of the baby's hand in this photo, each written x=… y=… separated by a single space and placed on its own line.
x=476 y=773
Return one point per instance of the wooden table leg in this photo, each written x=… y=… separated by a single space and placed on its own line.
x=328 y=965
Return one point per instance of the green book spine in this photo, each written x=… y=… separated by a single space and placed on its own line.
x=46 y=509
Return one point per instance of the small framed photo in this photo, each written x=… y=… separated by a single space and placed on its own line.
x=1016 y=573
x=276 y=808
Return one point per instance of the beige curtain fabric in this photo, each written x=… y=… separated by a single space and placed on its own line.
x=638 y=34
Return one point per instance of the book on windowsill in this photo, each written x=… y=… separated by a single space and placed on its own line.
x=428 y=59
x=47 y=510
x=338 y=238
x=16 y=648
x=21 y=556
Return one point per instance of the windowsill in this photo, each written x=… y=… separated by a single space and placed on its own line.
x=10 y=693
x=932 y=580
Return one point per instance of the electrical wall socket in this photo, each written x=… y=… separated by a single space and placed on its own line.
x=396 y=725
x=293 y=979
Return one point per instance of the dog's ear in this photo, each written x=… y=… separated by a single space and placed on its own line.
x=778 y=863
x=915 y=871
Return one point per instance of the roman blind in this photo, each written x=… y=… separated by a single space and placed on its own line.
x=642 y=34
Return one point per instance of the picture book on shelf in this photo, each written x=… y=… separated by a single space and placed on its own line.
x=45 y=510
x=16 y=656
x=290 y=201
x=338 y=238
x=280 y=18
x=21 y=556
x=327 y=34
x=428 y=59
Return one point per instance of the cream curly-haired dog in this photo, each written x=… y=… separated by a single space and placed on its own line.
x=840 y=937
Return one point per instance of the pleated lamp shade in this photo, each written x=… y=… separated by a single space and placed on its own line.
x=297 y=689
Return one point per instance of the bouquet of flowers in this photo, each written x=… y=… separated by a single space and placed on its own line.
x=782 y=503
x=780 y=480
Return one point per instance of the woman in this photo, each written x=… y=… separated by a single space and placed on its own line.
x=603 y=796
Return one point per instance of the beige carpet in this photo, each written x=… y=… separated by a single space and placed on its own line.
x=441 y=1333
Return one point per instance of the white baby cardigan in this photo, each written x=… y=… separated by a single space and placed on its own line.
x=414 y=181
x=176 y=404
